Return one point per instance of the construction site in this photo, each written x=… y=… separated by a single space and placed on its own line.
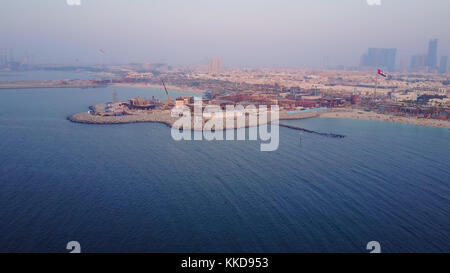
x=140 y=109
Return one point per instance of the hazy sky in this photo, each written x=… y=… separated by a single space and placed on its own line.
x=241 y=32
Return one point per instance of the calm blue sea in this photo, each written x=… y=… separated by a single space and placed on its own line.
x=131 y=188
x=43 y=75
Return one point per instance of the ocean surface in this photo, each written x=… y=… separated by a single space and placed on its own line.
x=131 y=188
x=44 y=75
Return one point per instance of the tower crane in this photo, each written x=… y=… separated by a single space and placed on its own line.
x=169 y=102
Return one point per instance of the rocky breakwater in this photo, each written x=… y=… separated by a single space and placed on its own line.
x=154 y=116
x=164 y=116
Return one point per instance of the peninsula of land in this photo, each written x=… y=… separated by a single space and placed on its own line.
x=100 y=114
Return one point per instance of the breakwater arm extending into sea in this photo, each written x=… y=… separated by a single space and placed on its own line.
x=164 y=117
x=161 y=116
x=311 y=131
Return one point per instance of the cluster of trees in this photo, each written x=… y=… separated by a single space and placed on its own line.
x=425 y=98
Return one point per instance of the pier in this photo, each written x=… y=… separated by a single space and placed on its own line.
x=311 y=131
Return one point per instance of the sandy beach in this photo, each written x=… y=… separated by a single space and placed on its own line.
x=361 y=114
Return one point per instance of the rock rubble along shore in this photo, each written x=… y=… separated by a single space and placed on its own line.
x=161 y=116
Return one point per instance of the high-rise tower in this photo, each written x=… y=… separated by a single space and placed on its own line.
x=444 y=64
x=215 y=66
x=432 y=54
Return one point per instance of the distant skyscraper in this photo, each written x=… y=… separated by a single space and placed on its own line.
x=403 y=64
x=444 y=64
x=380 y=58
x=418 y=62
x=432 y=54
x=215 y=66
x=3 y=57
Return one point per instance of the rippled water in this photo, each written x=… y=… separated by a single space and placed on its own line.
x=43 y=75
x=131 y=188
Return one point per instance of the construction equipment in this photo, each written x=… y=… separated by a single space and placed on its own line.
x=169 y=102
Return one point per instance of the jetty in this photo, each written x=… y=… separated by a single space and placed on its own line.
x=311 y=131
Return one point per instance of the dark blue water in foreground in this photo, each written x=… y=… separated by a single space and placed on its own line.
x=131 y=188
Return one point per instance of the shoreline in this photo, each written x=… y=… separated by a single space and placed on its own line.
x=164 y=117
x=85 y=84
x=173 y=88
x=361 y=114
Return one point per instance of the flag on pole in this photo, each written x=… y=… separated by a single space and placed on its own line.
x=381 y=73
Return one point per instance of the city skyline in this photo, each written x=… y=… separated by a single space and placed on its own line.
x=250 y=33
x=385 y=58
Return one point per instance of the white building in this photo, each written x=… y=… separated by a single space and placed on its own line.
x=401 y=97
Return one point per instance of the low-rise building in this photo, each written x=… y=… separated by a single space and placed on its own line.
x=403 y=97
